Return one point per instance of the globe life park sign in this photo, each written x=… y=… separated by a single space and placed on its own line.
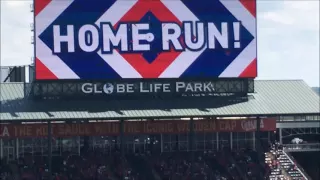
x=166 y=88
x=141 y=87
x=162 y=88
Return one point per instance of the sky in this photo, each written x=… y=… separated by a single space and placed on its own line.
x=288 y=37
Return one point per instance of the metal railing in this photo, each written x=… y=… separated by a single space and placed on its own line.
x=301 y=147
x=298 y=118
x=299 y=168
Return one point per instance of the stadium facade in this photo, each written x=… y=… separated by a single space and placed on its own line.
x=185 y=124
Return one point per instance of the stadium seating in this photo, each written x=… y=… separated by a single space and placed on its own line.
x=207 y=165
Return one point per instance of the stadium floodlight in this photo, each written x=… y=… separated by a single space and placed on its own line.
x=31 y=8
x=32 y=26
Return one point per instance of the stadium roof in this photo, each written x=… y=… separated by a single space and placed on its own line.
x=272 y=98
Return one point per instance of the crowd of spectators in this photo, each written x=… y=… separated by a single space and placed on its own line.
x=178 y=166
x=207 y=165
x=93 y=165
x=248 y=162
x=97 y=165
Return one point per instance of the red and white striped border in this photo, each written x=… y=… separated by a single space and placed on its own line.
x=47 y=14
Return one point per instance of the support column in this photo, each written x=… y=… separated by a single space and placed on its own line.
x=231 y=140
x=161 y=142
x=60 y=145
x=280 y=136
x=122 y=149
x=24 y=85
x=86 y=141
x=176 y=143
x=49 y=149
x=254 y=140
x=217 y=139
x=1 y=148
x=17 y=148
x=204 y=141
x=79 y=145
x=258 y=142
x=258 y=133
x=191 y=144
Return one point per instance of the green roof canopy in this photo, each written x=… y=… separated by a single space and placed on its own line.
x=272 y=98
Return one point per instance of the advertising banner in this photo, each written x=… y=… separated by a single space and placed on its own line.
x=143 y=39
x=135 y=127
x=178 y=87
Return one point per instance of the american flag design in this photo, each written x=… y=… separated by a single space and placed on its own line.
x=156 y=63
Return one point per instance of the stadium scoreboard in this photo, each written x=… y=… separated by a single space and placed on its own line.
x=165 y=42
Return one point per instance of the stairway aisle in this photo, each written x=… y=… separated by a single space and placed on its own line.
x=285 y=163
x=286 y=166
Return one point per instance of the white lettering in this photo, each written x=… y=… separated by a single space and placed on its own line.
x=125 y=88
x=208 y=87
x=249 y=125
x=189 y=87
x=137 y=37
x=5 y=132
x=109 y=88
x=87 y=88
x=96 y=90
x=169 y=37
x=58 y=38
x=142 y=88
x=166 y=88
x=157 y=87
x=261 y=124
x=194 y=87
x=130 y=88
x=214 y=34
x=198 y=87
x=109 y=37
x=121 y=88
x=88 y=38
x=189 y=35
x=180 y=85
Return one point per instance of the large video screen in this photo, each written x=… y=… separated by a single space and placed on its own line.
x=121 y=39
